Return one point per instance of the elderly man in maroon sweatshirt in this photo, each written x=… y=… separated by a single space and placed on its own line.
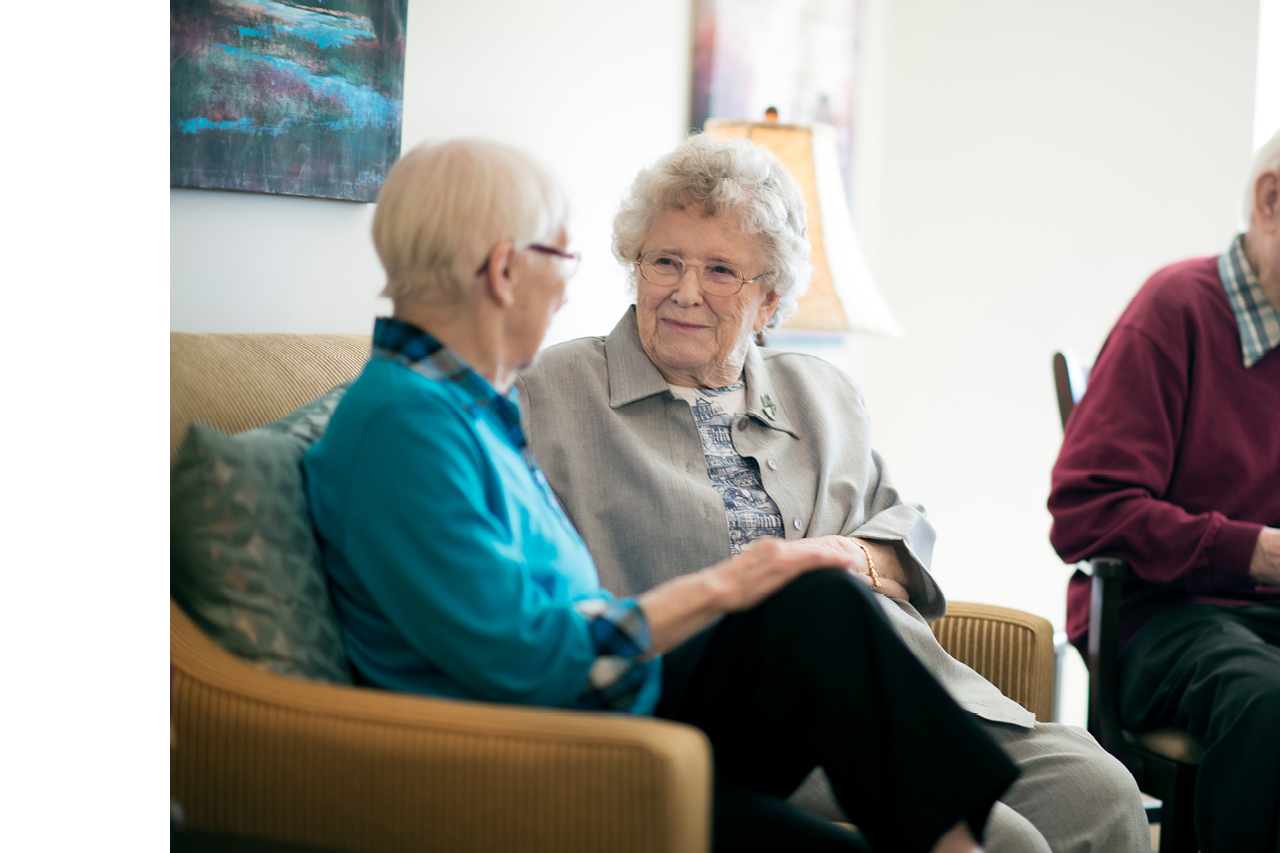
x=1172 y=461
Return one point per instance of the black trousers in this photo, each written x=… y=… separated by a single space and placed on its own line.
x=1215 y=671
x=813 y=676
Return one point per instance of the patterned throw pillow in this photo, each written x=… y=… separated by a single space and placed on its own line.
x=244 y=563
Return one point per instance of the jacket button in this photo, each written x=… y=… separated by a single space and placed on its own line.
x=773 y=466
x=795 y=522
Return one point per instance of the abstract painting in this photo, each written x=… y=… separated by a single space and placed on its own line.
x=276 y=96
x=797 y=56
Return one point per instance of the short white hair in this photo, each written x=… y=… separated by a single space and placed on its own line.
x=444 y=206
x=721 y=176
x=1265 y=159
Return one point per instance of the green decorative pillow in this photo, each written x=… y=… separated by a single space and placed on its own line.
x=244 y=563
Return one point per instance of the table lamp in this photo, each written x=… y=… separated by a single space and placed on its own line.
x=842 y=297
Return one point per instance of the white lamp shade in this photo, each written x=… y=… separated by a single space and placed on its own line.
x=841 y=296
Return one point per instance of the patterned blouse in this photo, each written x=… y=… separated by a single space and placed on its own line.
x=752 y=513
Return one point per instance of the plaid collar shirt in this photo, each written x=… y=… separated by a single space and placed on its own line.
x=1257 y=319
x=624 y=672
x=411 y=347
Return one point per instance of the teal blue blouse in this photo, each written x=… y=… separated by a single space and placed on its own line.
x=453 y=570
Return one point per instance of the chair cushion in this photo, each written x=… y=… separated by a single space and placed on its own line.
x=244 y=562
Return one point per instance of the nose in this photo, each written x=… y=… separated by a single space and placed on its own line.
x=688 y=291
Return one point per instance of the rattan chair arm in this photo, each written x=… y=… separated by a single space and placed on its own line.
x=1010 y=648
x=348 y=768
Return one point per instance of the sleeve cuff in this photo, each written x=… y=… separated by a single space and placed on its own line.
x=1233 y=550
x=616 y=627
x=622 y=677
x=929 y=602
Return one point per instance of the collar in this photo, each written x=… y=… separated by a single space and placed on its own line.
x=632 y=376
x=1256 y=318
x=418 y=350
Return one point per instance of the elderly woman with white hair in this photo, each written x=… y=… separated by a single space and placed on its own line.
x=455 y=573
x=675 y=442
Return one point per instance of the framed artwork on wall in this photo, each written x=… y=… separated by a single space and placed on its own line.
x=797 y=56
x=276 y=96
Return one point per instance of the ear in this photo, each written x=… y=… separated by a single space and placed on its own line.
x=499 y=275
x=767 y=307
x=1266 y=200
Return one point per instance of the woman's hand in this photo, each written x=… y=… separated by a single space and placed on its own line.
x=680 y=607
x=767 y=565
x=958 y=839
x=889 y=569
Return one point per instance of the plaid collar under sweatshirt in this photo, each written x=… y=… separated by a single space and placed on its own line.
x=1256 y=318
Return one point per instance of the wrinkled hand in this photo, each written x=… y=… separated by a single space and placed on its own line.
x=1264 y=567
x=680 y=607
x=957 y=840
x=883 y=555
x=766 y=566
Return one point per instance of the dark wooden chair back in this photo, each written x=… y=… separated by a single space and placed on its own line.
x=1070 y=376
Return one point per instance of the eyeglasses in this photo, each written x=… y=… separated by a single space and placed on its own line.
x=568 y=261
x=716 y=278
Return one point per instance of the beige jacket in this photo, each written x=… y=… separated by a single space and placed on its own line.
x=624 y=456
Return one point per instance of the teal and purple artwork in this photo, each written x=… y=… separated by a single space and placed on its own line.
x=275 y=96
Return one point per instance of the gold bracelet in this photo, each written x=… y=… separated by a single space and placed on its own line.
x=871 y=564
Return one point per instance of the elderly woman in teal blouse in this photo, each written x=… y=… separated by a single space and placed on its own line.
x=455 y=573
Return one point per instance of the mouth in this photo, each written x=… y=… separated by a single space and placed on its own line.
x=681 y=325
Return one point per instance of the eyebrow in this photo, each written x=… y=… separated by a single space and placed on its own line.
x=720 y=259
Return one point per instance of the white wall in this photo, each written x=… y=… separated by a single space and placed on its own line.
x=1266 y=109
x=595 y=89
x=1023 y=167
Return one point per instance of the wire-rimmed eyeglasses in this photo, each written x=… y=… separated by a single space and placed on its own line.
x=716 y=277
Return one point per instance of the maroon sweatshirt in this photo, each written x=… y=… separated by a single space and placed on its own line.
x=1172 y=458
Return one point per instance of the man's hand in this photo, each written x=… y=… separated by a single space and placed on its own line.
x=888 y=569
x=1265 y=565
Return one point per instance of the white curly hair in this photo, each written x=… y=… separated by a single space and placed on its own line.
x=1265 y=159
x=721 y=175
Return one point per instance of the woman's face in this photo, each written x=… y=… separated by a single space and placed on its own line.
x=695 y=339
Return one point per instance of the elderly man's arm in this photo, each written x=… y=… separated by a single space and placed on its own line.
x=1118 y=458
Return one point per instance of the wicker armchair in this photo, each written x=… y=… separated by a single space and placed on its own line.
x=348 y=768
